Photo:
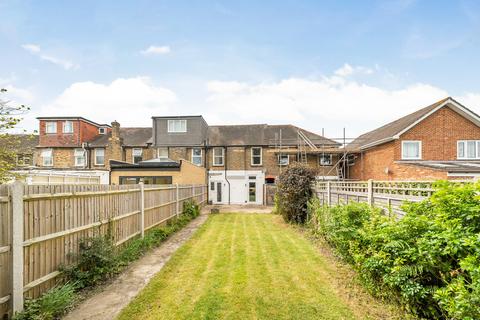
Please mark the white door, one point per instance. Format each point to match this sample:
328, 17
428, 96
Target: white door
216, 191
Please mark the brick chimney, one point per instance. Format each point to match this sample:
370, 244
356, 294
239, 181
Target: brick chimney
114, 148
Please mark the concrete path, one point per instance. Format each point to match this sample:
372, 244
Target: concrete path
115, 296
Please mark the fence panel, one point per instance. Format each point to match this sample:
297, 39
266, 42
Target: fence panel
57, 217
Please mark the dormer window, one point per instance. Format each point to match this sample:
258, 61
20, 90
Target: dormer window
68, 127
102, 130
51, 127
175, 126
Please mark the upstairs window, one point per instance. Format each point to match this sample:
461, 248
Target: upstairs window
24, 160
256, 156
47, 157
79, 155
51, 127
162, 153
218, 156
283, 159
325, 159
137, 155
68, 127
99, 157
177, 125
197, 156
102, 130
468, 149
411, 150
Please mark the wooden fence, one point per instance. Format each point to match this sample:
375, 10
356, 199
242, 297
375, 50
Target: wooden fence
41, 225
389, 195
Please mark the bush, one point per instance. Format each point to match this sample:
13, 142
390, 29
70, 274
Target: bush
294, 191
50, 305
191, 209
429, 261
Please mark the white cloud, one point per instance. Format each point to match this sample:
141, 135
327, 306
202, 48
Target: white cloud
156, 50
347, 70
131, 101
36, 50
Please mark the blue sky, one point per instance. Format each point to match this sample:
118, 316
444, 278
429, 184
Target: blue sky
317, 64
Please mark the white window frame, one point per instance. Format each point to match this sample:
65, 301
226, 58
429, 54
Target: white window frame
53, 129
279, 158
76, 157
44, 152
102, 130
172, 126
419, 150
135, 150
465, 150
197, 156
65, 126
96, 157
215, 156
252, 156
158, 153
325, 164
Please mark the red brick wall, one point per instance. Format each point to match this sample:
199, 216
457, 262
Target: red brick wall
82, 132
439, 134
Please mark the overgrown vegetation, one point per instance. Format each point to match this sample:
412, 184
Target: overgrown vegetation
429, 260
98, 260
294, 191
9, 119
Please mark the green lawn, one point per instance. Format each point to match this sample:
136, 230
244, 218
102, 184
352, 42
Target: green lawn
243, 266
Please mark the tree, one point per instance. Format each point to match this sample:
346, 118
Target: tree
9, 119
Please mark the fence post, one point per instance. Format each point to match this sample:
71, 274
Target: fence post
370, 192
142, 209
177, 210
329, 193
17, 246
193, 192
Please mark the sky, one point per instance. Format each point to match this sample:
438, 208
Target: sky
320, 65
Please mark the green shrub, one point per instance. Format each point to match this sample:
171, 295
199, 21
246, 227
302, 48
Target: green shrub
429, 260
50, 305
191, 209
294, 191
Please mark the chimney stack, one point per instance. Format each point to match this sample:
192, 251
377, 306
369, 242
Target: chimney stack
114, 148
115, 130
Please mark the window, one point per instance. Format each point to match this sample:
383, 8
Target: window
79, 155
102, 130
162, 153
51, 127
468, 149
99, 157
218, 155
325, 159
177, 125
197, 156
137, 155
283, 160
146, 180
68, 127
411, 150
47, 157
256, 156
24, 160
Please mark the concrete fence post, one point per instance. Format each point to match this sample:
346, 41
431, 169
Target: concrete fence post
177, 197
370, 192
17, 246
329, 193
142, 209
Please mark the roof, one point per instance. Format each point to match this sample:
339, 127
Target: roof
449, 166
74, 118
164, 164
394, 129
260, 134
22, 143
132, 137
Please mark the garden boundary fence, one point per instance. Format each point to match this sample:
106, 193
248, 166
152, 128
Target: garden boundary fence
388, 195
42, 226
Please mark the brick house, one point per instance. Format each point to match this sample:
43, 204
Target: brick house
240, 159
441, 141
